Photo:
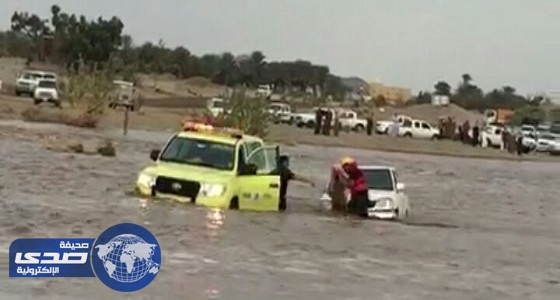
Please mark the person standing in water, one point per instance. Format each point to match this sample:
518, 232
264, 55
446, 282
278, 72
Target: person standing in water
356, 182
286, 175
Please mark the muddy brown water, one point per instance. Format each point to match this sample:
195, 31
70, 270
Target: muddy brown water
479, 229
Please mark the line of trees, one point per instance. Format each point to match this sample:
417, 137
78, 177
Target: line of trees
469, 96
72, 40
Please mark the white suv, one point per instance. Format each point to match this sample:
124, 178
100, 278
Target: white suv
28, 81
46, 91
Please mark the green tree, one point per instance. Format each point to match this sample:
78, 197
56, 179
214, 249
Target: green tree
31, 26
258, 61
442, 88
505, 97
466, 79
468, 95
423, 98
73, 35
99, 43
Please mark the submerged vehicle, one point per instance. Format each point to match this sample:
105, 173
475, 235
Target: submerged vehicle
214, 167
385, 193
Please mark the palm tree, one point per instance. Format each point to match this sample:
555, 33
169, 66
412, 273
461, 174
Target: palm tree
466, 79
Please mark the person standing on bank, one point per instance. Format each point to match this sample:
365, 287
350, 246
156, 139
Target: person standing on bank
475, 135
369, 127
286, 175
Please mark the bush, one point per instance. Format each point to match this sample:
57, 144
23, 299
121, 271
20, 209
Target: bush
35, 114
45, 115
246, 113
89, 93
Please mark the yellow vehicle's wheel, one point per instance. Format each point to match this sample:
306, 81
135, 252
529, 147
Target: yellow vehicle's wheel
234, 203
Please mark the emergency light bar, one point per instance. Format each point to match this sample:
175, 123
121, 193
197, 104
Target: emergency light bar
205, 128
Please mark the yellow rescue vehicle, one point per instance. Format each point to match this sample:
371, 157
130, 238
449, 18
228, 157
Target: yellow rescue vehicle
214, 167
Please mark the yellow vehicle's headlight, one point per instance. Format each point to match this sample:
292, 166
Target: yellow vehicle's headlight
212, 189
146, 180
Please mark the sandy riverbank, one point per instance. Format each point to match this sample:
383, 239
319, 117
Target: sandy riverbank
168, 119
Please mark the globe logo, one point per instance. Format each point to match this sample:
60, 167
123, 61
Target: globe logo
126, 257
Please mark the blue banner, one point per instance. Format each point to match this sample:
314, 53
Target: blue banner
51, 257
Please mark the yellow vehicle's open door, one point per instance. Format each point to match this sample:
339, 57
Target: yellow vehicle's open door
261, 191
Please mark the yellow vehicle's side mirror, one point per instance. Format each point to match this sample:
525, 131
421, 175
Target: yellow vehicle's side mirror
154, 154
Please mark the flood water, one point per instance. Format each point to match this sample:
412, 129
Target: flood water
479, 229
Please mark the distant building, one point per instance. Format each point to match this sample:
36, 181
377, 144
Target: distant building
392, 94
440, 100
554, 97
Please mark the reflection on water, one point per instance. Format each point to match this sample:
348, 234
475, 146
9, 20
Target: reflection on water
143, 209
215, 219
212, 293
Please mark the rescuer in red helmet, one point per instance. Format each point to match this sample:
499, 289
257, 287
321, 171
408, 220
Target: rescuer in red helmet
356, 183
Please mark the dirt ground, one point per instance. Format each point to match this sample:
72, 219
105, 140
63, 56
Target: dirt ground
479, 229
168, 119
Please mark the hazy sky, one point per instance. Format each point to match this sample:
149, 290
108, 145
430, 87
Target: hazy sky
411, 43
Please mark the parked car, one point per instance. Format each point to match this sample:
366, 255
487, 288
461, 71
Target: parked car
123, 95
385, 192
382, 127
554, 147
264, 91
216, 106
529, 140
349, 119
47, 91
304, 119
346, 117
491, 136
546, 141
555, 128
419, 129
528, 129
280, 112
29, 80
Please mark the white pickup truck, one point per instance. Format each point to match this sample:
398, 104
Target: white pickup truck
347, 118
419, 129
304, 119
382, 127
280, 112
